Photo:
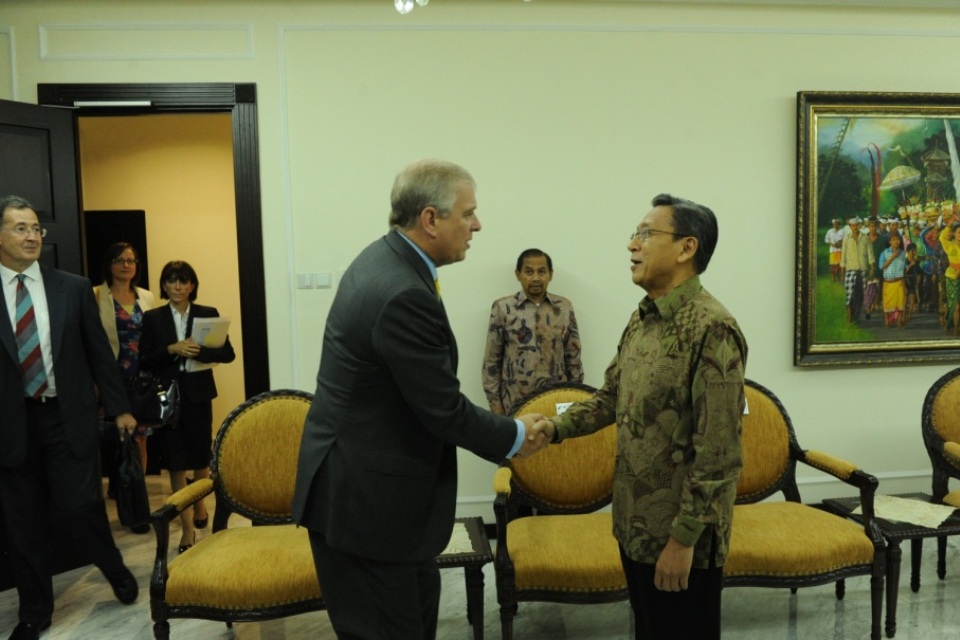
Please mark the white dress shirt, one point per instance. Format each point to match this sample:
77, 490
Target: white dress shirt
34, 284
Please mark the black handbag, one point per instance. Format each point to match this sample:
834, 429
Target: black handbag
133, 505
154, 402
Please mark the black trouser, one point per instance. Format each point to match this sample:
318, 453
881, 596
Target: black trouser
372, 600
693, 614
52, 479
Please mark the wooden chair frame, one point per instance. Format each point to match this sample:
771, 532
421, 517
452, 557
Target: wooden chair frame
520, 503
160, 610
786, 484
945, 465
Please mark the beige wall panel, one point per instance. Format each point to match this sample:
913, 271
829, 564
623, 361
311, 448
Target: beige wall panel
571, 115
7, 70
144, 41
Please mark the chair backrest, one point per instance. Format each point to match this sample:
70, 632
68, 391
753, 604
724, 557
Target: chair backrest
255, 455
765, 442
941, 408
574, 476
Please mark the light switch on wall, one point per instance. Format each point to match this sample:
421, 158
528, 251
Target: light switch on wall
304, 281
323, 280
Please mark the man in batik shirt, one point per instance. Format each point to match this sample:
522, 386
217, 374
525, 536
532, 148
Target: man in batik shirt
675, 392
532, 339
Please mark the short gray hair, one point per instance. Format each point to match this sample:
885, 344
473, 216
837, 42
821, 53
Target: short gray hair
13, 202
427, 183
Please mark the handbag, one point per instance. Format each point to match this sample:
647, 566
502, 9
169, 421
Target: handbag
154, 402
133, 505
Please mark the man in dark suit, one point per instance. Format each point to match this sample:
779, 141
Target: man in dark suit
55, 357
377, 474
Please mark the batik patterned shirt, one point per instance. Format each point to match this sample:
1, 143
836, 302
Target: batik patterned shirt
675, 392
528, 347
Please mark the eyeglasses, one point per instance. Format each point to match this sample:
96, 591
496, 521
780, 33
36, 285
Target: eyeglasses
126, 261
24, 230
645, 233
172, 280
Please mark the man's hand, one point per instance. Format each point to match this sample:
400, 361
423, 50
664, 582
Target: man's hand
126, 421
536, 439
673, 567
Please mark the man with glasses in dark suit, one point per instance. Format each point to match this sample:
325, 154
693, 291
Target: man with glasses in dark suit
54, 359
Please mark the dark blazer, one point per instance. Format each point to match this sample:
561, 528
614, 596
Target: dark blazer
159, 331
377, 472
82, 364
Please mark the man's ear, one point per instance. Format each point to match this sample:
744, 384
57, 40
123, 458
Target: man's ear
428, 220
690, 246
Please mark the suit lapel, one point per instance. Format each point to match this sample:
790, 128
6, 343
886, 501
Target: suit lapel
53, 288
7, 339
403, 249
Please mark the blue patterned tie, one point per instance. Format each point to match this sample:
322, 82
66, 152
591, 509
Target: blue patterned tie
28, 344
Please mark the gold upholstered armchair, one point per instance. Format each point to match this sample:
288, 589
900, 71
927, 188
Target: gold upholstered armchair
940, 422
246, 573
552, 546
786, 543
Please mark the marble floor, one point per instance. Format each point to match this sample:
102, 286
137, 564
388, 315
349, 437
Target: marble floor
86, 609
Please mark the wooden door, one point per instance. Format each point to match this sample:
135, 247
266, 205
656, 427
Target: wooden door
38, 162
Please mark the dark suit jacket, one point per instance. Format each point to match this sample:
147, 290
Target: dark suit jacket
81, 359
377, 472
160, 331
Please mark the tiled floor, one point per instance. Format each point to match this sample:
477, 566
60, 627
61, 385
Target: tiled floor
86, 609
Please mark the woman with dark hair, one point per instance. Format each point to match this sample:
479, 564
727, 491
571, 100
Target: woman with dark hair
169, 351
122, 305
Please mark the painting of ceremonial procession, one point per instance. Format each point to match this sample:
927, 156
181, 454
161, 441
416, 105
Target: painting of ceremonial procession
878, 228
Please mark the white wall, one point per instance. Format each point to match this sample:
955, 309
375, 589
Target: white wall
571, 115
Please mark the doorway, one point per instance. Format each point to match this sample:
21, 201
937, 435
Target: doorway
178, 169
240, 101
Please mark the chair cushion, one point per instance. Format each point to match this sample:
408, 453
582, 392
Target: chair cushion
224, 570
255, 455
945, 410
765, 445
791, 539
952, 499
565, 553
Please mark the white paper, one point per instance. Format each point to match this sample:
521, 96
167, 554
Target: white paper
459, 540
909, 510
562, 406
210, 332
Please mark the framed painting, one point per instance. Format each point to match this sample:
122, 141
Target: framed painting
878, 228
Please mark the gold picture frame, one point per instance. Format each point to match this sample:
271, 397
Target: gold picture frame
876, 158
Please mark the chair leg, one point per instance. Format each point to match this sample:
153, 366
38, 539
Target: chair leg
507, 613
942, 557
876, 605
841, 589
161, 630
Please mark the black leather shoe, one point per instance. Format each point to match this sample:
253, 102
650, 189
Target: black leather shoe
125, 586
29, 630
201, 523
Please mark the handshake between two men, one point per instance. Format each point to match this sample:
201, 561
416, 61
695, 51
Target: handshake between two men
540, 433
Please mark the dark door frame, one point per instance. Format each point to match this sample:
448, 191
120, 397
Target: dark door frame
240, 99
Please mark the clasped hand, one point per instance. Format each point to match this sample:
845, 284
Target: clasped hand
540, 432
185, 348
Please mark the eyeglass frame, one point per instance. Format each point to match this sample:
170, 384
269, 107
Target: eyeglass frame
125, 261
644, 234
23, 230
